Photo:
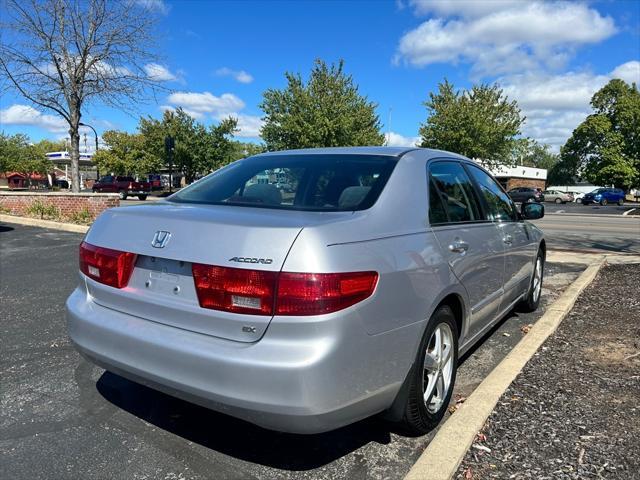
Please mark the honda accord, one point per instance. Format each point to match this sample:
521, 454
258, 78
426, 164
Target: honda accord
351, 292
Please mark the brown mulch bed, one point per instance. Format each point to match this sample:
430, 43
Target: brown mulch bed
574, 411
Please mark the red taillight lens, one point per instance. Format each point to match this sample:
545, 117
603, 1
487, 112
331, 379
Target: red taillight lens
259, 292
235, 289
318, 293
105, 265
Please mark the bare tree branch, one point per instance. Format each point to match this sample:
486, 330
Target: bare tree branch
65, 55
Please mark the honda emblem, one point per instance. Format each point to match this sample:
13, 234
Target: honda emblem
160, 239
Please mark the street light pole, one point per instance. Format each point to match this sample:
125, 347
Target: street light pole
96, 134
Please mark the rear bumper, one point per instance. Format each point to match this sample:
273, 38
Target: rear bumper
286, 381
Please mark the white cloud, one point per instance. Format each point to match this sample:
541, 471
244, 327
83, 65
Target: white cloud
556, 104
26, 115
502, 37
393, 139
239, 75
159, 72
248, 125
629, 72
206, 105
463, 8
159, 6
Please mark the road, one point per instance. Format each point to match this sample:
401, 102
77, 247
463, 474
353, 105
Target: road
592, 232
591, 209
64, 418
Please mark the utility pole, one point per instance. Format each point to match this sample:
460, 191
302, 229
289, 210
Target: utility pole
85, 146
169, 147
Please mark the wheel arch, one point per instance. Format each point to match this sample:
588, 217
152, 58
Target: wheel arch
455, 302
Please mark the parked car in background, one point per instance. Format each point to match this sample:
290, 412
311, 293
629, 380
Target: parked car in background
604, 196
557, 196
267, 307
123, 186
155, 181
577, 196
526, 195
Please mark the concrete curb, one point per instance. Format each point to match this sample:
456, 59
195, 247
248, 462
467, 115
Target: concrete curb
34, 222
447, 449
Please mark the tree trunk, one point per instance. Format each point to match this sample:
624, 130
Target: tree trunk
75, 158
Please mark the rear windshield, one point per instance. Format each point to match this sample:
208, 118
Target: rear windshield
295, 182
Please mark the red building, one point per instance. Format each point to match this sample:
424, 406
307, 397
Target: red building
19, 181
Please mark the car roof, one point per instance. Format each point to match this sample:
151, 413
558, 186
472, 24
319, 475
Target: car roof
374, 150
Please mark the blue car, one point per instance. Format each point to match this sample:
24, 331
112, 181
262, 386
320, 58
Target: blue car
604, 196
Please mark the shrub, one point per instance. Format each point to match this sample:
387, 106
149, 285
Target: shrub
83, 217
43, 211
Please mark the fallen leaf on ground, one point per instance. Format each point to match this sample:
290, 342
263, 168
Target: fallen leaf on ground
482, 448
482, 437
525, 328
505, 334
468, 474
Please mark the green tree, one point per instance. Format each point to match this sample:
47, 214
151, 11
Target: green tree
480, 123
126, 155
18, 154
605, 147
198, 149
530, 153
245, 149
327, 111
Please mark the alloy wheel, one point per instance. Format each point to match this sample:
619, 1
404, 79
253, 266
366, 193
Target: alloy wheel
438, 367
537, 280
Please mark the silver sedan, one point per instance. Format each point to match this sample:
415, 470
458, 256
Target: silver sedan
305, 290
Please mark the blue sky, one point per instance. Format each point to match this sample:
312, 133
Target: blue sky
219, 57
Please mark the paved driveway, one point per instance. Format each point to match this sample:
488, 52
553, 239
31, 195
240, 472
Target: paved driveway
64, 418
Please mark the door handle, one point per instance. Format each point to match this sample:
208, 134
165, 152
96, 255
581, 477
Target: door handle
459, 246
508, 239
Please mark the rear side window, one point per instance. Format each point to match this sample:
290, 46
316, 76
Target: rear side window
295, 182
499, 205
455, 192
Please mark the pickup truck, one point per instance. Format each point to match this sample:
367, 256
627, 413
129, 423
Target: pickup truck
123, 186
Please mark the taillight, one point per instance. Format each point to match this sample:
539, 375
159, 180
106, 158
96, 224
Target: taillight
318, 293
105, 265
235, 289
260, 292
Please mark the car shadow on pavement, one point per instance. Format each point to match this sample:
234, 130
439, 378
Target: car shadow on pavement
238, 438
5, 228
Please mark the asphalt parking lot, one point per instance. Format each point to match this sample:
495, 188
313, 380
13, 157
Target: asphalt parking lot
64, 418
591, 209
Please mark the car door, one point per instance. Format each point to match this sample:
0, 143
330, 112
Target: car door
515, 233
472, 245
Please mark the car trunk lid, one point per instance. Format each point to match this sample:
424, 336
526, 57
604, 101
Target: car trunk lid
161, 287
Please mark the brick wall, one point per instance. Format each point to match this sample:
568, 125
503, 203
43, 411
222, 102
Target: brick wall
78, 207
524, 182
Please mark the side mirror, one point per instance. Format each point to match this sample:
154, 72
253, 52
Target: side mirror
532, 211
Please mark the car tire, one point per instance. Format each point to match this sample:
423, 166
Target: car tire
122, 194
420, 415
604, 202
531, 302
621, 202
558, 201
142, 197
